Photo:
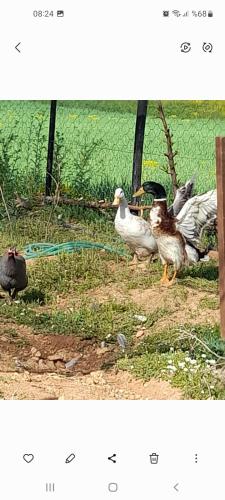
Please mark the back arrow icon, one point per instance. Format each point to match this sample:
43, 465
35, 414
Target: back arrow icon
176, 487
16, 47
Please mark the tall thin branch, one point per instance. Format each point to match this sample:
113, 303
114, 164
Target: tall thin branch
170, 154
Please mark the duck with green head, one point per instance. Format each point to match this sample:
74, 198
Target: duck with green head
178, 238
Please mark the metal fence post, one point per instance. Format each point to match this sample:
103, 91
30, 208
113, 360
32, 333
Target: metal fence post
138, 146
51, 140
220, 171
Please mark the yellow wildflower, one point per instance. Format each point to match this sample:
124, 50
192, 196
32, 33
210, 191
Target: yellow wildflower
150, 163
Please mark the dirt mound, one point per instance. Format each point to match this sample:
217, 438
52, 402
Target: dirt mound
22, 350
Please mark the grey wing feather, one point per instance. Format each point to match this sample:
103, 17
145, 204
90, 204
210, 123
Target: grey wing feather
195, 214
182, 195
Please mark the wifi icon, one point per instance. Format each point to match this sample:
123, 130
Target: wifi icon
176, 13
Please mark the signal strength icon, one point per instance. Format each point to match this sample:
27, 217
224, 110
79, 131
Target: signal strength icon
186, 14
176, 13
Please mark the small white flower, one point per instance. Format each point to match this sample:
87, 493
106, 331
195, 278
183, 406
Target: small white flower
211, 362
212, 387
203, 392
172, 368
187, 360
185, 369
181, 365
203, 356
170, 361
193, 361
171, 349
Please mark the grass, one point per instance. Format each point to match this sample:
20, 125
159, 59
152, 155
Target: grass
188, 365
99, 321
97, 137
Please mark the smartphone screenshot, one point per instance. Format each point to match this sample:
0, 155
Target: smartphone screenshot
112, 250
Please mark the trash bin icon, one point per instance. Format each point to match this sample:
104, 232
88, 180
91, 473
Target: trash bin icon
154, 458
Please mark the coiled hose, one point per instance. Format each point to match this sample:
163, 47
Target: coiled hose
36, 250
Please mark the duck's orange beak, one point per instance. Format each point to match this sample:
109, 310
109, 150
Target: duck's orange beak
116, 201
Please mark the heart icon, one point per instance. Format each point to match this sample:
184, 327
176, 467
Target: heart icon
28, 457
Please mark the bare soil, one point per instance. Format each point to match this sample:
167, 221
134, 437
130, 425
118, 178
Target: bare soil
34, 367
97, 385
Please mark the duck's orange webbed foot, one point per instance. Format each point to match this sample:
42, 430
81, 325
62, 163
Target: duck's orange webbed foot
165, 279
173, 279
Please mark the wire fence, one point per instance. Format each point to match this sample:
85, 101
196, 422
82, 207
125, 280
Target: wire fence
94, 144
194, 127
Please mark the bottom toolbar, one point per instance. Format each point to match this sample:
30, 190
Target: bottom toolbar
112, 449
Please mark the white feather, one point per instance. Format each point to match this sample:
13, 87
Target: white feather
195, 214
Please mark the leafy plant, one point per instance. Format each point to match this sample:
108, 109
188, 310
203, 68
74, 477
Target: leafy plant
82, 175
36, 151
10, 151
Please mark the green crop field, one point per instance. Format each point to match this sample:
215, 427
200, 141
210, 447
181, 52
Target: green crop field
94, 144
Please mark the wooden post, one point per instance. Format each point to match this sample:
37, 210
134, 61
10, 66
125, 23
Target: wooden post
138, 146
51, 140
220, 172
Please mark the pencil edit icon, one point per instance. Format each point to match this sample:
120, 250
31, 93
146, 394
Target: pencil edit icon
70, 458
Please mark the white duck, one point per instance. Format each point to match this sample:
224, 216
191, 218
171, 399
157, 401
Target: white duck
135, 231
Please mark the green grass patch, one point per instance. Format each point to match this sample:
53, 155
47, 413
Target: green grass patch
100, 321
189, 362
94, 143
209, 303
197, 381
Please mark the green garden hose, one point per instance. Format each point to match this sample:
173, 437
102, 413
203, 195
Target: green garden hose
35, 250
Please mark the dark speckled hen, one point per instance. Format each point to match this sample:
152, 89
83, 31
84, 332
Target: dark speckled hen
13, 276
